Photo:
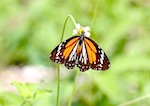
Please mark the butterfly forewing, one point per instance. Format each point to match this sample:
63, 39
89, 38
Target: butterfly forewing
61, 53
101, 61
71, 60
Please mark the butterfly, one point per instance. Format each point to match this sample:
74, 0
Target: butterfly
80, 51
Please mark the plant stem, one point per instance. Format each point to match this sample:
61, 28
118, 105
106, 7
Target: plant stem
74, 22
58, 85
135, 100
95, 13
58, 69
74, 87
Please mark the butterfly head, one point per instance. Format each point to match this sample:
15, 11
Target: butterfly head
81, 30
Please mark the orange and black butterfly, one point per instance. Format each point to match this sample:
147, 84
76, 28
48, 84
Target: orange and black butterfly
80, 51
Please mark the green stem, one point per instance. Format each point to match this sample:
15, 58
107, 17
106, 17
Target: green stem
74, 22
74, 87
58, 83
94, 13
135, 100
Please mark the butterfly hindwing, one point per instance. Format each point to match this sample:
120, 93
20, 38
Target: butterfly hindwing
82, 60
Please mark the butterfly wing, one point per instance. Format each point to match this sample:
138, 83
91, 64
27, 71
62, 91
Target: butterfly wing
97, 57
86, 55
71, 60
82, 60
61, 54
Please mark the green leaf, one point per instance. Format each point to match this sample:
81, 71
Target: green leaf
26, 90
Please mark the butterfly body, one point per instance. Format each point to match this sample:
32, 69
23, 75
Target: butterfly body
82, 52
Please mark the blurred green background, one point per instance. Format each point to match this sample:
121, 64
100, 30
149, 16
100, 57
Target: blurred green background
31, 29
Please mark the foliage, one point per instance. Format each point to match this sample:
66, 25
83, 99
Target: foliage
30, 29
29, 94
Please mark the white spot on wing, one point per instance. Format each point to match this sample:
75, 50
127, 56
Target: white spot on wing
58, 51
73, 53
102, 57
84, 52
